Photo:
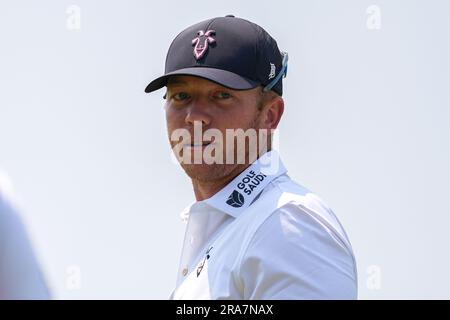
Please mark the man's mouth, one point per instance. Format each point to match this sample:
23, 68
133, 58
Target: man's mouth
198, 145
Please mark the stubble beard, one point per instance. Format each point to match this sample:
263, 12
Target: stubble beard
206, 173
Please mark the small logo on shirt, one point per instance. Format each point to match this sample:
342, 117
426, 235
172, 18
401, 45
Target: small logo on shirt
236, 199
272, 71
202, 264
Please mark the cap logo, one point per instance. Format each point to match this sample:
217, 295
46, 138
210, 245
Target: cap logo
201, 42
272, 71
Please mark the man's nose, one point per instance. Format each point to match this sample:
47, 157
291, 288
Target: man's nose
198, 111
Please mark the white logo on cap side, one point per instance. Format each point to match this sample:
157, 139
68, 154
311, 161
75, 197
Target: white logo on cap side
272, 71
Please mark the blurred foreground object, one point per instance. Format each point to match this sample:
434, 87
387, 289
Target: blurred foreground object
20, 275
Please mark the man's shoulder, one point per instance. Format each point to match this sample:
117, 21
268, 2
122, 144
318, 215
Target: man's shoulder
303, 229
297, 208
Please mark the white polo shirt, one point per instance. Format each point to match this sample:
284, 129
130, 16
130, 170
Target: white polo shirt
263, 236
20, 275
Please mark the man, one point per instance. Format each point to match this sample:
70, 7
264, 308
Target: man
20, 275
252, 233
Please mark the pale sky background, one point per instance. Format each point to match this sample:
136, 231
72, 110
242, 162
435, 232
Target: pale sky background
366, 127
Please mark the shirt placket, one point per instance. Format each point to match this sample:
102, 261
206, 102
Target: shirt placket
193, 241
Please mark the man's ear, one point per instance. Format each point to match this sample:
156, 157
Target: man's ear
273, 112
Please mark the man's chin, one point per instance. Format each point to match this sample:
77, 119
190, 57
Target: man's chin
205, 172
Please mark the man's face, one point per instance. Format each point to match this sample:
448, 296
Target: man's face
192, 100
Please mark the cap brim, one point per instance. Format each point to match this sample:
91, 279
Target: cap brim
225, 78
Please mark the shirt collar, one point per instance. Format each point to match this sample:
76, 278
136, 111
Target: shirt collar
240, 193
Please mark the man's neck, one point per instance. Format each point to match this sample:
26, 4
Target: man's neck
206, 189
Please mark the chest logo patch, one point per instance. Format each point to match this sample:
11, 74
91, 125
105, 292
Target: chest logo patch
202, 264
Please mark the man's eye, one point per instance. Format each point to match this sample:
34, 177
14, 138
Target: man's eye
223, 95
180, 96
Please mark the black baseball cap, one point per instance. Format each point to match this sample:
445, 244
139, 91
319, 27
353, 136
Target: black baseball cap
230, 51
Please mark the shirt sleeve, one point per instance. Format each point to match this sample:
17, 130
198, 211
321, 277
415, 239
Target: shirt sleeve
293, 255
20, 276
